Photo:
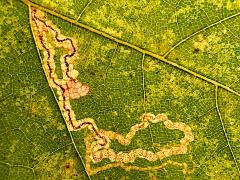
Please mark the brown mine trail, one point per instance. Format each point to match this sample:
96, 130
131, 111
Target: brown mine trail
69, 88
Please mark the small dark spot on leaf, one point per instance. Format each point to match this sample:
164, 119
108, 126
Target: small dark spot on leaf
67, 165
92, 73
196, 50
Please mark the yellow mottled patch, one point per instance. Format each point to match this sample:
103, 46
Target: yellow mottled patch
150, 65
218, 3
68, 169
172, 82
66, 6
134, 6
113, 32
108, 47
152, 6
120, 22
221, 168
124, 50
129, 75
11, 26
229, 105
120, 25
180, 12
169, 36
203, 43
138, 33
57, 166
96, 52
42, 108
229, 4
180, 86
215, 46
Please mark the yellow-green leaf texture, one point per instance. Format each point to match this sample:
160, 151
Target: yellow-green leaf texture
176, 58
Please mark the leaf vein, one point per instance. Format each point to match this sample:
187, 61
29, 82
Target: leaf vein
224, 129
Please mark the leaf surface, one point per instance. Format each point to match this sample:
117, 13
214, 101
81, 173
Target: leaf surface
119, 90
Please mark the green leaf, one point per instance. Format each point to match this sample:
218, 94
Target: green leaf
119, 89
